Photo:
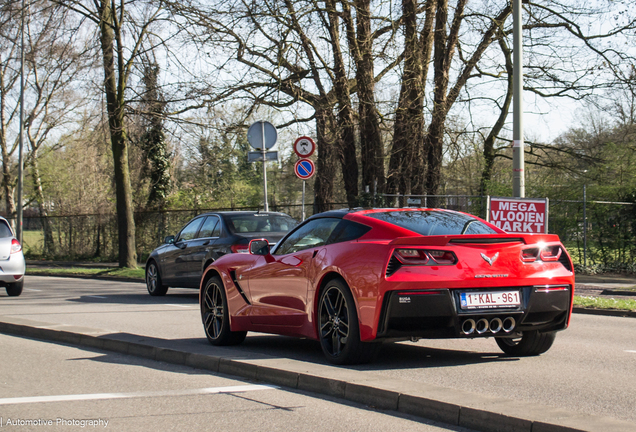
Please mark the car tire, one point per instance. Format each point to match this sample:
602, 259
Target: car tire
531, 343
153, 280
15, 289
215, 315
339, 329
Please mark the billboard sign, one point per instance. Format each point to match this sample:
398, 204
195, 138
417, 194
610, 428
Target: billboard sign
519, 215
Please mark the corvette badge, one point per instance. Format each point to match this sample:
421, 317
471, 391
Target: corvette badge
492, 260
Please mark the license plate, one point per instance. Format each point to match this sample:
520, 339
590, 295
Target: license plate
489, 300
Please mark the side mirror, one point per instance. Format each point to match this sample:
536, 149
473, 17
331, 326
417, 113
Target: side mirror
169, 239
259, 247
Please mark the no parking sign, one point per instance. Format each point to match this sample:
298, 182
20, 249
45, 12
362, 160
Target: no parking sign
304, 169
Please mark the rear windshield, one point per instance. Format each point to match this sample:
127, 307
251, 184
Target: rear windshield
5, 231
434, 222
258, 223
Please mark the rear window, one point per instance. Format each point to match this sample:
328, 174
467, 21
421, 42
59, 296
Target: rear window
259, 223
434, 222
5, 231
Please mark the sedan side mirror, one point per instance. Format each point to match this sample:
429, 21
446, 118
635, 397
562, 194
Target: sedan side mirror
259, 247
169, 239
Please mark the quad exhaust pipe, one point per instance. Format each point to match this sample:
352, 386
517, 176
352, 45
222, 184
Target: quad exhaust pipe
482, 325
495, 325
508, 324
468, 326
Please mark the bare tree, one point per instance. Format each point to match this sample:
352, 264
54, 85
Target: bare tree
122, 33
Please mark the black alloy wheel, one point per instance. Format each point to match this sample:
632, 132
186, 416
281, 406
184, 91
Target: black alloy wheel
215, 316
531, 343
338, 327
153, 280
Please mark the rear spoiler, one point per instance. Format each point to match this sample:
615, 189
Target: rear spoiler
475, 239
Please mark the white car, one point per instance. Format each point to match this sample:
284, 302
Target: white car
12, 265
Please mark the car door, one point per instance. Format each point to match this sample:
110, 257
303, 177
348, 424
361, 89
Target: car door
278, 283
176, 261
199, 248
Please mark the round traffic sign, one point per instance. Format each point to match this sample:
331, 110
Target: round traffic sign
304, 147
259, 131
304, 169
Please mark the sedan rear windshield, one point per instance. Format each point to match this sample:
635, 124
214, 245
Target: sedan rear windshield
434, 222
258, 223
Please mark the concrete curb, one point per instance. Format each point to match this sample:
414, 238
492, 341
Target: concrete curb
106, 278
453, 407
605, 312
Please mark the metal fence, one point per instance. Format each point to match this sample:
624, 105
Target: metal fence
608, 238
95, 236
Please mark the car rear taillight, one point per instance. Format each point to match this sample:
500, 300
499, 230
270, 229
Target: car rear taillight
545, 253
15, 246
443, 257
412, 256
529, 255
425, 257
240, 248
550, 253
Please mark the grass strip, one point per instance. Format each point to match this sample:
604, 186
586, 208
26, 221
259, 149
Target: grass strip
87, 271
604, 303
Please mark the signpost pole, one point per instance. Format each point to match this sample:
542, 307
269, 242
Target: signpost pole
518, 175
303, 213
19, 214
585, 225
264, 150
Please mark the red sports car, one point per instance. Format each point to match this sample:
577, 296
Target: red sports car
354, 278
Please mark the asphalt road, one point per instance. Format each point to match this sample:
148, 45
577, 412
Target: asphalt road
590, 369
66, 386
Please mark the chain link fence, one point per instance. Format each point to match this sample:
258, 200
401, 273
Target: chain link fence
607, 240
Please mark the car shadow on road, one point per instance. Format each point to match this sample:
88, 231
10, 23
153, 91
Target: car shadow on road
184, 297
391, 356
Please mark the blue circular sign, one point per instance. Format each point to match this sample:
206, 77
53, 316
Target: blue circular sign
304, 169
259, 131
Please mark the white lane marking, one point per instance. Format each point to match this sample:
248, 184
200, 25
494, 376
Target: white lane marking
176, 305
631, 351
31, 289
102, 396
96, 296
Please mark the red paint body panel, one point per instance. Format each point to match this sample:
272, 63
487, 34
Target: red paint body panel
282, 290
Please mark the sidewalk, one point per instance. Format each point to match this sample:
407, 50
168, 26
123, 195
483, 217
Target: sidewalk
606, 285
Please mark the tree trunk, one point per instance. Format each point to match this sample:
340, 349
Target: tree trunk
372, 151
407, 164
345, 128
115, 107
7, 177
326, 164
489, 143
49, 244
7, 187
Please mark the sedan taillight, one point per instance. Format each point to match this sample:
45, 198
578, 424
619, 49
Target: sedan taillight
15, 246
240, 248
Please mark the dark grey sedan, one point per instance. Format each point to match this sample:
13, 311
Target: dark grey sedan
181, 260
